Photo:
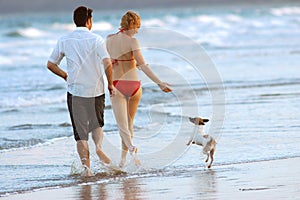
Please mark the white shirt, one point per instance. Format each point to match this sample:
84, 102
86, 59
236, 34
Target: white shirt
84, 52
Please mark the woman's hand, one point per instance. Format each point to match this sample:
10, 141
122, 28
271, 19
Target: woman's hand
164, 87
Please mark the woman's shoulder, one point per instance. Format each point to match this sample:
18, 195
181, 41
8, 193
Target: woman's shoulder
110, 35
135, 44
133, 39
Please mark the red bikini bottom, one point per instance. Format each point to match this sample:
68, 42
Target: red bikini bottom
126, 87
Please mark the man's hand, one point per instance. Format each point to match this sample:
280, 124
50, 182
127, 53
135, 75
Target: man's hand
112, 90
54, 68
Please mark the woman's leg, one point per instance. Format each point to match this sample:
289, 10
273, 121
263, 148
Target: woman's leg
133, 104
123, 154
119, 105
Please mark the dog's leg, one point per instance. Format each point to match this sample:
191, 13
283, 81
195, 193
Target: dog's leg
207, 157
206, 150
211, 153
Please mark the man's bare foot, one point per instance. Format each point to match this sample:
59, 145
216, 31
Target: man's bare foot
86, 171
103, 157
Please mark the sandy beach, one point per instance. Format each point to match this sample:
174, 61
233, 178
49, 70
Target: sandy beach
277, 179
255, 51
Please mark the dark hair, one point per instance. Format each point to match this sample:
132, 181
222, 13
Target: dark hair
81, 15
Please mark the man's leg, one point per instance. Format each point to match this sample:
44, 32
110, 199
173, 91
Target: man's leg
83, 152
97, 135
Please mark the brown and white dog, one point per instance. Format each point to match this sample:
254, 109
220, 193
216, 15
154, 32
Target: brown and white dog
203, 139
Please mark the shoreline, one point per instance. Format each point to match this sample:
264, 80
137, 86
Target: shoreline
273, 179
15, 6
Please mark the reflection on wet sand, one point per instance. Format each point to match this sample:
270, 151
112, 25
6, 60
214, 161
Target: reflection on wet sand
197, 183
205, 182
126, 189
102, 192
131, 189
86, 192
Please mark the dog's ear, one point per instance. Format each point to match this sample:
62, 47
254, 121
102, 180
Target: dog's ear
198, 120
202, 121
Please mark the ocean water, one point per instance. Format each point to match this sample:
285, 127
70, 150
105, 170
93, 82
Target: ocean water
237, 66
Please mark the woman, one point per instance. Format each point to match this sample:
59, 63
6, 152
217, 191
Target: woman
126, 57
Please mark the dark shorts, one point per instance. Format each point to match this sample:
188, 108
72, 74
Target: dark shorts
86, 114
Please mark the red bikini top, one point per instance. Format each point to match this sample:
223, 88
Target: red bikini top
116, 61
121, 30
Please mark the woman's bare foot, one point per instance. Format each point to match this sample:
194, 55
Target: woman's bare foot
123, 158
122, 162
137, 161
133, 151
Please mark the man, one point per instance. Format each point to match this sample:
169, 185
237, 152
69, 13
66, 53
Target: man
84, 52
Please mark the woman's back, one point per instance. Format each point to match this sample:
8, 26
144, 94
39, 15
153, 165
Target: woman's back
119, 46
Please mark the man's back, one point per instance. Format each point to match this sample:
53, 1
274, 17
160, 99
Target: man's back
83, 51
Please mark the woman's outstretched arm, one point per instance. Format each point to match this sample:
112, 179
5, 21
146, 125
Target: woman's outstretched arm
140, 62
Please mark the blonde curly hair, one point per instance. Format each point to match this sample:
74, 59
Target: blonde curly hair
129, 17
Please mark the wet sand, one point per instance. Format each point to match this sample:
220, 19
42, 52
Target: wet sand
277, 179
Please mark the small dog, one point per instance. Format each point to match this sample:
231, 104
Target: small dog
206, 141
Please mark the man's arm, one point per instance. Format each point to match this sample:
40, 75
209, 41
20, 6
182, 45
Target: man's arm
57, 70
